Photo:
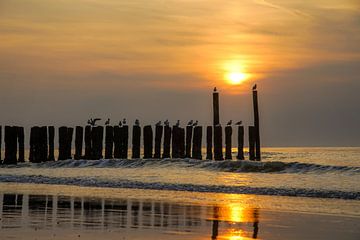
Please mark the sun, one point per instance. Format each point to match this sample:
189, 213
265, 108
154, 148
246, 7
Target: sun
236, 78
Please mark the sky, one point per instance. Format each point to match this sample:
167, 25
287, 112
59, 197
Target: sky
64, 61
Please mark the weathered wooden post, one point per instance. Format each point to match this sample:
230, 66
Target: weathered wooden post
43, 144
109, 142
117, 142
87, 141
21, 136
79, 134
37, 144
256, 125
216, 112
148, 142
197, 139
209, 143
218, 147
97, 137
124, 141
10, 145
63, 136
0, 141
228, 134
240, 155
181, 142
136, 141
32, 144
167, 142
158, 137
175, 142
252, 139
51, 135
70, 132
188, 140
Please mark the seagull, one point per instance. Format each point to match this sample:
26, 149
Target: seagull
137, 122
229, 123
195, 123
107, 121
158, 123
120, 123
95, 120
190, 123
89, 121
166, 122
254, 87
177, 123
238, 123
124, 121
215, 89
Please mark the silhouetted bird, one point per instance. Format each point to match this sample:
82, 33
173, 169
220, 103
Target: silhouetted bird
229, 123
196, 123
95, 120
137, 122
238, 123
166, 122
158, 123
89, 121
215, 89
120, 124
190, 123
107, 122
124, 121
177, 123
254, 87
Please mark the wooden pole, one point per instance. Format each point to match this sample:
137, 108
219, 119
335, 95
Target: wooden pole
228, 134
188, 140
21, 136
218, 147
109, 142
70, 132
37, 144
167, 142
209, 143
256, 125
181, 142
136, 142
10, 145
87, 141
252, 139
124, 141
51, 135
79, 134
240, 155
197, 139
43, 154
216, 117
175, 142
117, 142
63, 135
97, 135
148, 142
0, 142
32, 145
158, 137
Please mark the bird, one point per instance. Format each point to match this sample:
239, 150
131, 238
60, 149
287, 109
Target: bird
166, 122
195, 123
137, 122
120, 124
215, 89
229, 123
190, 123
238, 123
89, 121
177, 123
95, 120
124, 121
158, 123
107, 122
254, 87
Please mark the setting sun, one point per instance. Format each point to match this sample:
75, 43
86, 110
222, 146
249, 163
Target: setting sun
236, 78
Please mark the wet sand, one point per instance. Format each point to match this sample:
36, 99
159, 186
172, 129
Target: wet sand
46, 212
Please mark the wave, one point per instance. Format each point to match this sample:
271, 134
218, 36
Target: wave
95, 182
225, 166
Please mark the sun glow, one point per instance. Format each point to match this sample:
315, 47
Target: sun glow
235, 72
236, 78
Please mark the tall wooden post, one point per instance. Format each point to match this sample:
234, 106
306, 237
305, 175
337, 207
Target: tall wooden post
228, 134
240, 155
10, 145
79, 134
21, 136
51, 135
218, 145
181, 142
167, 142
109, 142
136, 142
70, 132
188, 140
33, 144
117, 142
216, 112
197, 139
0, 141
148, 142
256, 125
63, 136
175, 142
209, 143
97, 137
124, 141
252, 139
158, 137
88, 143
43, 155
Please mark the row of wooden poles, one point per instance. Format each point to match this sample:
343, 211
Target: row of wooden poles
165, 142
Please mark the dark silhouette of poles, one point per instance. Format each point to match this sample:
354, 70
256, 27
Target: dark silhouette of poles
240, 155
256, 125
252, 139
21, 136
136, 142
167, 142
218, 147
181, 142
0, 141
87, 141
63, 137
43, 141
124, 130
216, 113
189, 134
117, 142
197, 139
10, 145
209, 143
79, 134
109, 142
33, 144
51, 135
148, 142
175, 142
97, 137
228, 134
158, 137
70, 132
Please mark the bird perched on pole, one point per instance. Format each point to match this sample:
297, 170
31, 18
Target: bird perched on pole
166, 122
95, 120
195, 123
254, 87
120, 124
215, 90
137, 122
107, 122
190, 123
158, 123
89, 121
229, 123
124, 121
238, 123
177, 123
